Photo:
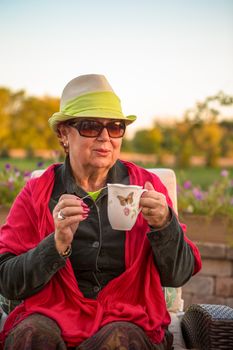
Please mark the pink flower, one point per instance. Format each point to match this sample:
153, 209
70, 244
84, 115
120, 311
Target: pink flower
126, 211
224, 173
197, 194
187, 184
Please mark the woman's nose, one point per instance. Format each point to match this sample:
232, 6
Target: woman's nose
104, 136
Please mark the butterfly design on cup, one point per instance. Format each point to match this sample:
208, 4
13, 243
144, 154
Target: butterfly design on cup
125, 202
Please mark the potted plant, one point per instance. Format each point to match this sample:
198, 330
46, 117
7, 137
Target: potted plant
208, 213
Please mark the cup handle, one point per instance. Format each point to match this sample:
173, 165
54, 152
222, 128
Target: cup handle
143, 190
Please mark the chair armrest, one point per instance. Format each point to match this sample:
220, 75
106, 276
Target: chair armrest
207, 326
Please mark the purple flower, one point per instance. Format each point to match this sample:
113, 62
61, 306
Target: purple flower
17, 172
27, 174
231, 201
40, 164
224, 173
187, 185
197, 194
7, 166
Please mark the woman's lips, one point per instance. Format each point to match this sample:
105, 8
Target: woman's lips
101, 151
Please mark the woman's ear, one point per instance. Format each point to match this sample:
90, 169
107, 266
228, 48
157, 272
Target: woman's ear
62, 134
62, 130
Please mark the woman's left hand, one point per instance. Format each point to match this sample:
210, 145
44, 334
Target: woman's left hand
154, 207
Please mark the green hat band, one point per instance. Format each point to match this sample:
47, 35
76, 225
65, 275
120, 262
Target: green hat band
100, 104
94, 104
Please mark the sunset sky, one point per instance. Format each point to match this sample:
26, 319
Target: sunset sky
159, 56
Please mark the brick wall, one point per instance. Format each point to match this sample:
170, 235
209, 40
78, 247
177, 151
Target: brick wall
214, 283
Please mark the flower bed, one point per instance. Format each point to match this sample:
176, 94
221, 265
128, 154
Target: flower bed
11, 182
208, 213
216, 200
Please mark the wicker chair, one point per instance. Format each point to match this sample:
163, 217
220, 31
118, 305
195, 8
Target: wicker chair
201, 326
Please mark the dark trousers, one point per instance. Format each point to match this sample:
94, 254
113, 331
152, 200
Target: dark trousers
38, 332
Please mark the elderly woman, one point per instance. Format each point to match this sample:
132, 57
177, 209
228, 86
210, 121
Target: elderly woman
84, 285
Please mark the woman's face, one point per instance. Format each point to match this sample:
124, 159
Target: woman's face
91, 152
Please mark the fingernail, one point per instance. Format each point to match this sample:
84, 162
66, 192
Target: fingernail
84, 204
85, 216
86, 210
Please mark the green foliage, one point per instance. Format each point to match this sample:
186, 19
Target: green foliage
11, 182
216, 199
24, 121
24, 124
198, 133
126, 145
147, 141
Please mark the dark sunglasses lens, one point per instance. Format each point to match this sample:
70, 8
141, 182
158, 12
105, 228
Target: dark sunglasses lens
89, 128
116, 129
92, 128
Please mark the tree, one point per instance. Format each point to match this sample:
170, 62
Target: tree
183, 142
208, 137
24, 121
227, 139
147, 141
207, 134
9, 103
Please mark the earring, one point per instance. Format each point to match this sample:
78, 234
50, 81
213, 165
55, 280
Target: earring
66, 148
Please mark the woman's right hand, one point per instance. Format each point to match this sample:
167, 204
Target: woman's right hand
74, 210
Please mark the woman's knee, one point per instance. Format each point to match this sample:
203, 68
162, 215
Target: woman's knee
36, 332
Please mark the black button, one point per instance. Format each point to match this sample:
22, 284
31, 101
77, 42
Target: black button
55, 266
96, 244
96, 289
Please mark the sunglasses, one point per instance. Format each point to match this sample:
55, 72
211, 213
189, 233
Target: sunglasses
93, 128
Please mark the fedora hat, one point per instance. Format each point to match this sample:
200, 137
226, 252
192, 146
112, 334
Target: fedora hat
89, 96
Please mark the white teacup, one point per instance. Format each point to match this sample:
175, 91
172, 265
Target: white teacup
123, 205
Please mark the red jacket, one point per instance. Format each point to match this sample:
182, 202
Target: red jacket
135, 296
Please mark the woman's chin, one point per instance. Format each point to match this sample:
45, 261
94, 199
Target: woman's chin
102, 162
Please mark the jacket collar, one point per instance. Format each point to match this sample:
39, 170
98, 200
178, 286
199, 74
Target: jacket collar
65, 182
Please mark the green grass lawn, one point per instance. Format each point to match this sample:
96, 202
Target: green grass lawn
25, 164
201, 176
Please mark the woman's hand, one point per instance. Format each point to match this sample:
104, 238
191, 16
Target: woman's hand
154, 207
67, 214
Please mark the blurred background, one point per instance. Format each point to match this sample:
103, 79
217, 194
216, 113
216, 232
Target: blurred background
171, 64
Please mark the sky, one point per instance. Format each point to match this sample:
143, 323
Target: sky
160, 57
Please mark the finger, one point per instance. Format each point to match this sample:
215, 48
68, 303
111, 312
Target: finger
70, 220
148, 211
151, 202
153, 194
70, 202
65, 199
69, 196
148, 186
72, 211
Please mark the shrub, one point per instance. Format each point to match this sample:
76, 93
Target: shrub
11, 182
217, 199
